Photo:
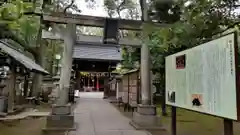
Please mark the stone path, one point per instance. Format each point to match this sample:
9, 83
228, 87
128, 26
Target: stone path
95, 116
91, 95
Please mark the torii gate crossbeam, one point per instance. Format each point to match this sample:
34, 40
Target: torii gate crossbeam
94, 21
81, 38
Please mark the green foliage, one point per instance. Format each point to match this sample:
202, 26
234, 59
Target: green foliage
11, 11
18, 27
127, 63
164, 11
53, 47
195, 22
116, 7
199, 22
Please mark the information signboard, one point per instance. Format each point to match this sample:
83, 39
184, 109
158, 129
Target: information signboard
203, 78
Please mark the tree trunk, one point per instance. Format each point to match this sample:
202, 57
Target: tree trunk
37, 78
78, 80
164, 110
40, 59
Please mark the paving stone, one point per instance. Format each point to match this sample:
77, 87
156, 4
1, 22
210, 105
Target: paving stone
96, 116
109, 133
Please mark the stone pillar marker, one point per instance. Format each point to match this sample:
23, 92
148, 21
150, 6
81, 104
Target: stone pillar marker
145, 116
61, 117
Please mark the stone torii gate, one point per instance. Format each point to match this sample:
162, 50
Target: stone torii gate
146, 112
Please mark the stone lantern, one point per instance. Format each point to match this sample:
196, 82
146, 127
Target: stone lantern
4, 71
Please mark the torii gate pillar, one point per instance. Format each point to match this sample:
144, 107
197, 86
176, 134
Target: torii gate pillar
145, 116
62, 118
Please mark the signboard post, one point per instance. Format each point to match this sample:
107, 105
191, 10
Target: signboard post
228, 127
174, 120
205, 79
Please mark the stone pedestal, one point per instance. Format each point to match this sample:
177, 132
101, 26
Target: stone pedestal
61, 119
145, 118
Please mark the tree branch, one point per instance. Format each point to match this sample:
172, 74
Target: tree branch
119, 8
229, 27
69, 6
32, 13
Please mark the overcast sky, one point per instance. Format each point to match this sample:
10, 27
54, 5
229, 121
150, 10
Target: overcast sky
98, 9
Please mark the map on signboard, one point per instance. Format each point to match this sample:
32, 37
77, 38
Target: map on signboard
203, 78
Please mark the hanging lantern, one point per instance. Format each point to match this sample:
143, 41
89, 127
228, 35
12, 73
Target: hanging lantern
17, 69
8, 61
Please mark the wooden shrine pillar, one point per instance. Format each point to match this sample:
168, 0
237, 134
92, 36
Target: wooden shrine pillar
106, 87
88, 82
11, 89
78, 80
97, 83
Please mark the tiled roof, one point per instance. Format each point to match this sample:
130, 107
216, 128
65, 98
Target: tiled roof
96, 52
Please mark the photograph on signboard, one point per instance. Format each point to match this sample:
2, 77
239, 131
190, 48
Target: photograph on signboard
171, 96
197, 100
181, 61
204, 78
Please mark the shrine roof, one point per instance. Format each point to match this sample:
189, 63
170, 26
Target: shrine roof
97, 52
21, 58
